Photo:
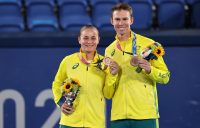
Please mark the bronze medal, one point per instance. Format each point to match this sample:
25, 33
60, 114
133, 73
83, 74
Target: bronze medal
107, 61
134, 61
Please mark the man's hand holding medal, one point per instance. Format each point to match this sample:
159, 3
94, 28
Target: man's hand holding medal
141, 64
113, 66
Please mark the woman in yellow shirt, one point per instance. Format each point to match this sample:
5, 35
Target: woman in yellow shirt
86, 66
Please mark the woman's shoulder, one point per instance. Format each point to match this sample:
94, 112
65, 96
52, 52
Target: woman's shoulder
71, 56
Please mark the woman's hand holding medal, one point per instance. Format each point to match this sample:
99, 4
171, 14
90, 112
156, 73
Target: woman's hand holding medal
114, 67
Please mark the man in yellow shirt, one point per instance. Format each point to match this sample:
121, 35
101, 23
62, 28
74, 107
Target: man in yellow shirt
134, 101
86, 67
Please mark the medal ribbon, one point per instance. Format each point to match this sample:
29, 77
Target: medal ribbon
133, 46
95, 62
83, 59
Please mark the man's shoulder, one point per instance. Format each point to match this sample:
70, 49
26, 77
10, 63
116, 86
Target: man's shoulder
111, 45
144, 40
141, 37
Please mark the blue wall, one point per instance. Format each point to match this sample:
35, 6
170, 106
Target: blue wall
26, 75
180, 100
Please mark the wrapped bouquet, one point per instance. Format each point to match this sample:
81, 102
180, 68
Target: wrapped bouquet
70, 90
151, 53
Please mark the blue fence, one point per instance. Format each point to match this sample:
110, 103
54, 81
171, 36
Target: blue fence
26, 75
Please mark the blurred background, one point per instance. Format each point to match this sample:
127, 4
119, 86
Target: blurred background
35, 35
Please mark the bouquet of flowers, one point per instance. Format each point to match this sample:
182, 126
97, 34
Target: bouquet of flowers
70, 90
151, 53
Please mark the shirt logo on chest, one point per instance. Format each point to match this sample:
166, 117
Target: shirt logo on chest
113, 52
75, 65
